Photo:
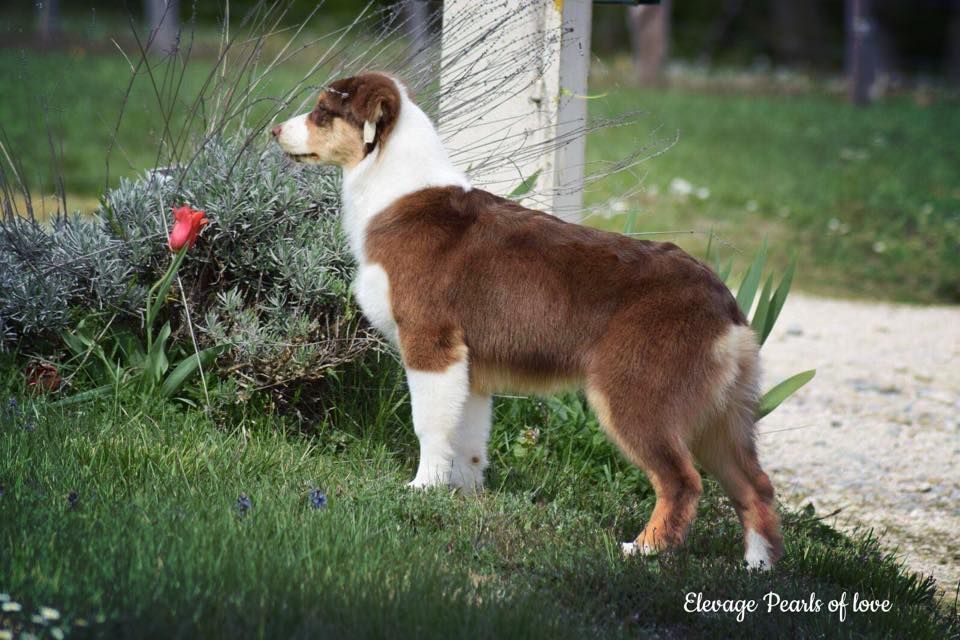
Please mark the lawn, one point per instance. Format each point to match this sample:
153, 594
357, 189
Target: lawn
126, 518
135, 517
868, 198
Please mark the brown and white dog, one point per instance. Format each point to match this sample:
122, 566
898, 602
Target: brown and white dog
483, 295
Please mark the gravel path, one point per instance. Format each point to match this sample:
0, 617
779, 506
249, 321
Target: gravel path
877, 432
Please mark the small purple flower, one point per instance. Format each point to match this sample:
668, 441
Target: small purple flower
73, 499
318, 499
244, 504
29, 425
10, 409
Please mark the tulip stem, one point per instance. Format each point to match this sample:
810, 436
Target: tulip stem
159, 291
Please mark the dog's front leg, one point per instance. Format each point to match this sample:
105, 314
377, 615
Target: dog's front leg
470, 444
437, 397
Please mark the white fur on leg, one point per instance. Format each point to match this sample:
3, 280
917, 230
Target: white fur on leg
758, 552
630, 548
470, 444
437, 400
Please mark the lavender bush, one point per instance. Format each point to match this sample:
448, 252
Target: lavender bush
269, 277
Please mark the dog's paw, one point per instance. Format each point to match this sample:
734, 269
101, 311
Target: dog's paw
758, 556
420, 485
632, 548
467, 477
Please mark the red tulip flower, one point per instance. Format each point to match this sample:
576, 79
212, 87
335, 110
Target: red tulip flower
186, 227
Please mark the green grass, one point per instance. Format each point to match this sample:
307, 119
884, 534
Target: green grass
154, 545
870, 198
78, 96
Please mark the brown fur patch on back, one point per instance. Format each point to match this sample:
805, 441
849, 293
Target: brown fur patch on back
536, 296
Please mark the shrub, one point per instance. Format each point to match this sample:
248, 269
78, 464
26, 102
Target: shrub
269, 277
49, 270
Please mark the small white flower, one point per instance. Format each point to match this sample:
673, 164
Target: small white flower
4, 597
853, 155
681, 187
879, 246
702, 193
833, 224
752, 205
57, 633
49, 613
619, 205
11, 606
37, 619
6, 635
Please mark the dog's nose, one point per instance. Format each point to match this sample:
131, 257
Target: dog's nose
276, 130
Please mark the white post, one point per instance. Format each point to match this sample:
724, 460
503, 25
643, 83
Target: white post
536, 55
572, 115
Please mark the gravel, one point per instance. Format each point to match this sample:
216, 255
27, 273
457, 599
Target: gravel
876, 433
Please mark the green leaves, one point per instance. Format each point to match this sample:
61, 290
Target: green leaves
776, 303
129, 364
187, 367
156, 363
775, 396
759, 321
114, 359
770, 302
525, 187
765, 313
748, 287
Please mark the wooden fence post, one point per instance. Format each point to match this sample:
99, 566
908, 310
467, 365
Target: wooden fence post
551, 106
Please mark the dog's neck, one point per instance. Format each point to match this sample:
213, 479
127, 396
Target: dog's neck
413, 158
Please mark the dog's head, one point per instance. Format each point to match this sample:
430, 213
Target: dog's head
352, 117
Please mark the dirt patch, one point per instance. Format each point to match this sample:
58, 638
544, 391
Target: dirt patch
877, 432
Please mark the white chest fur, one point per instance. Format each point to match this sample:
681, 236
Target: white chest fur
413, 159
372, 290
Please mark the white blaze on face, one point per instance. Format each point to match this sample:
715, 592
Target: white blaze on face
294, 136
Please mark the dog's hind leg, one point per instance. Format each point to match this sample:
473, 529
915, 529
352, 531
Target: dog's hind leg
727, 450
648, 438
735, 466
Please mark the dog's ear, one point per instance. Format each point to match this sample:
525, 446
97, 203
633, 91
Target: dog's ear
377, 107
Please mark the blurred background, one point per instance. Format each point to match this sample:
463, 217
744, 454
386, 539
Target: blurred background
828, 126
